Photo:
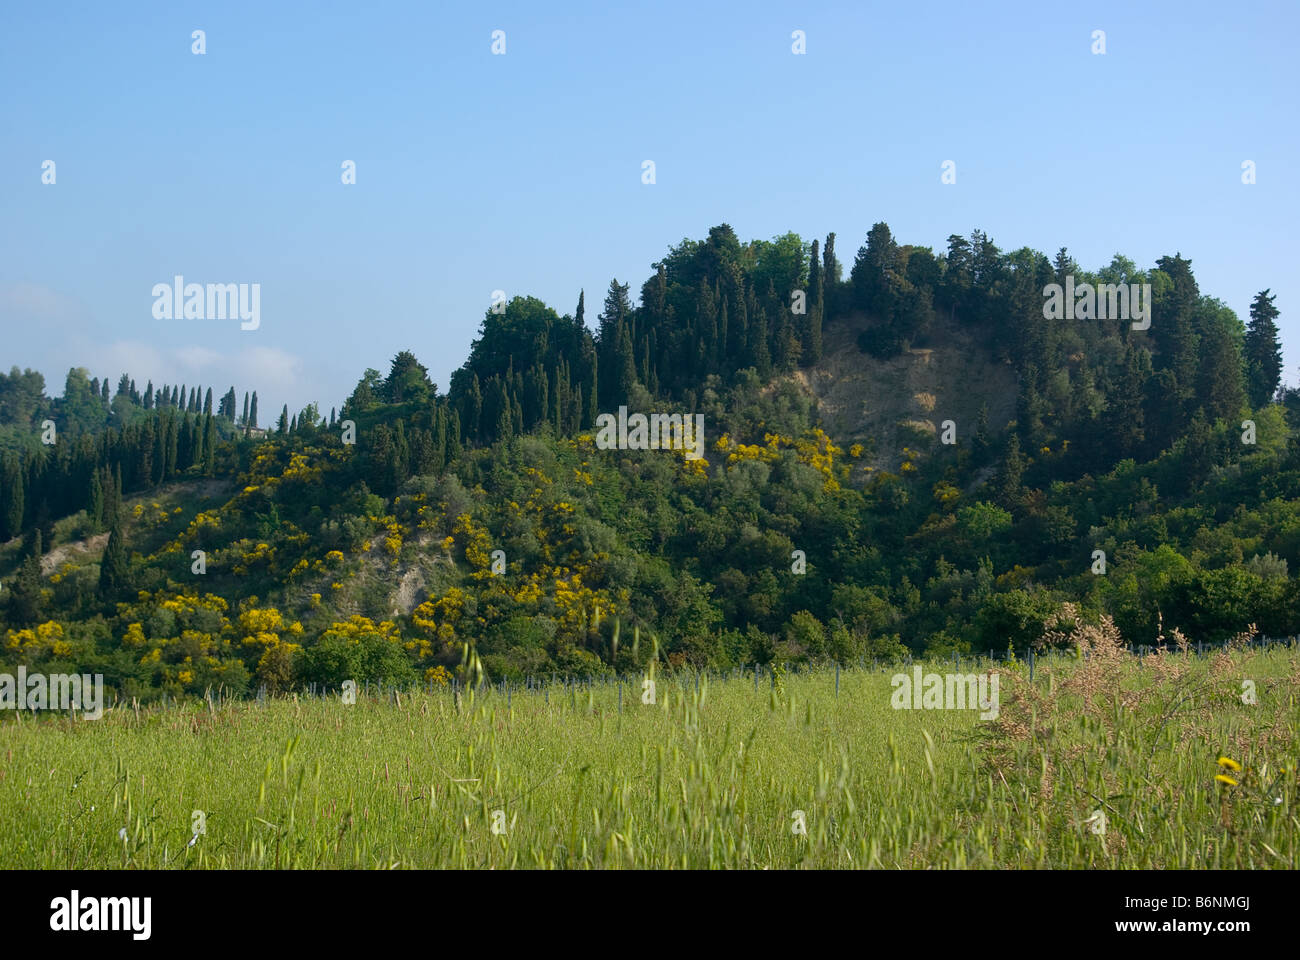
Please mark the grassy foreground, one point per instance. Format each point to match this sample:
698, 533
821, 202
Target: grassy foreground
1104, 762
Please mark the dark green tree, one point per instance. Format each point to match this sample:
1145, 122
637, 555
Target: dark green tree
408, 381
114, 572
1263, 350
95, 510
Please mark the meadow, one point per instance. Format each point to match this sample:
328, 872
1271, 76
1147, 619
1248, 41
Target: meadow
1104, 760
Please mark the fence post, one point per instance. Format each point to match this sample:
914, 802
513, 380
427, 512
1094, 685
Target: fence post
837, 678
1031, 664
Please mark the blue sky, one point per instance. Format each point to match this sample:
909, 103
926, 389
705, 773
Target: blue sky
522, 172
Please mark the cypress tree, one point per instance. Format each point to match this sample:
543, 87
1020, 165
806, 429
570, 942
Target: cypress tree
830, 279
453, 442
111, 516
1220, 388
144, 457
96, 508
283, 425
439, 438
173, 436
24, 607
209, 446
812, 327
114, 573
1263, 350
252, 412
1013, 467
474, 419
15, 507
207, 402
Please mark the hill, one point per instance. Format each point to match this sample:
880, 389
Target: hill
1145, 474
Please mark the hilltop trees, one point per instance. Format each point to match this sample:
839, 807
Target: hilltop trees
408, 381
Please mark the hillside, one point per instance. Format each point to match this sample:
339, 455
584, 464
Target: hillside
417, 534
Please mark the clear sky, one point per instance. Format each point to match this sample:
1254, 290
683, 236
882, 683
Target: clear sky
522, 172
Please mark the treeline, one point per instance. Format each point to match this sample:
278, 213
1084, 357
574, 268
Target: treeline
128, 442
1097, 388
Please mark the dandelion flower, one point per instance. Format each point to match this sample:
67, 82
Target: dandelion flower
1226, 779
1230, 764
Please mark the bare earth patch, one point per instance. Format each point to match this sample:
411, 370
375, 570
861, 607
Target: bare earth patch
861, 398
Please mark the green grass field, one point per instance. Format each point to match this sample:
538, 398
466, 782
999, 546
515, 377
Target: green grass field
694, 781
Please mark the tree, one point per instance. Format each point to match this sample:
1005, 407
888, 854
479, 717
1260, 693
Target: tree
112, 494
614, 343
24, 608
408, 380
209, 446
13, 493
114, 573
812, 327
1219, 388
1008, 486
365, 395
252, 413
1173, 324
871, 276
1263, 350
283, 426
95, 510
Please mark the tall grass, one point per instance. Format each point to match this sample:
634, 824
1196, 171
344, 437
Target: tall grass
697, 780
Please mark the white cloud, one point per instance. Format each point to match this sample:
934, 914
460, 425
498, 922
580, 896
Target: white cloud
30, 303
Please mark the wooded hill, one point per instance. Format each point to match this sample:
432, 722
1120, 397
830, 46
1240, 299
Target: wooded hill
324, 560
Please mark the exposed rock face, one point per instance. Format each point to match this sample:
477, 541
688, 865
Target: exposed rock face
884, 404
